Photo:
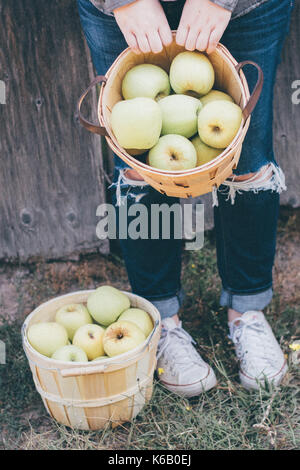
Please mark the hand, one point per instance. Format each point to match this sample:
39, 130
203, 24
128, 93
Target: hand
202, 25
144, 26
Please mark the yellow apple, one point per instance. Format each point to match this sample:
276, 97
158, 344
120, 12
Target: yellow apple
121, 337
179, 115
135, 152
192, 72
106, 304
100, 358
218, 123
172, 152
145, 80
47, 337
136, 123
204, 153
90, 339
70, 353
140, 318
73, 316
215, 95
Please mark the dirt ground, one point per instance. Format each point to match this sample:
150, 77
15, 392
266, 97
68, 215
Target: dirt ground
24, 287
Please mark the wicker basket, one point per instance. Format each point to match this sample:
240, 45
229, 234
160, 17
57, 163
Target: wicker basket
95, 394
196, 181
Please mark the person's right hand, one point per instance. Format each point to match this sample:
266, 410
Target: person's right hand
144, 26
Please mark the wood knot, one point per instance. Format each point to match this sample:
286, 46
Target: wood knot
26, 217
39, 102
72, 219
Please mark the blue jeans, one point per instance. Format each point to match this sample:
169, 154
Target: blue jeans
246, 219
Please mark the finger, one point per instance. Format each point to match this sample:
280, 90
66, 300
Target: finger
165, 34
143, 43
213, 40
155, 41
190, 43
203, 39
132, 42
181, 35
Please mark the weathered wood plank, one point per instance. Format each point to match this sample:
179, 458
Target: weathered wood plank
287, 114
51, 174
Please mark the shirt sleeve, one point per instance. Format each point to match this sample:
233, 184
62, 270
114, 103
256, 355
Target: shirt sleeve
107, 6
227, 4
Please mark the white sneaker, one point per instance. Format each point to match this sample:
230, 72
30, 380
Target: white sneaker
180, 368
261, 358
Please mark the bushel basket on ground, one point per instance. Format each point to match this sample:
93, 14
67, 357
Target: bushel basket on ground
93, 395
188, 183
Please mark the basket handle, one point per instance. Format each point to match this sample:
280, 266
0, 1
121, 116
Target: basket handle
257, 89
84, 122
77, 371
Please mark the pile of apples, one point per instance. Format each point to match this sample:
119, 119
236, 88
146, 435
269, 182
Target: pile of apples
105, 327
179, 119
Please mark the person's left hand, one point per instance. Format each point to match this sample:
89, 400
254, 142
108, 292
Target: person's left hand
202, 25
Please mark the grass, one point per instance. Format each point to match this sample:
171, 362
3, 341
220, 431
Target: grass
227, 417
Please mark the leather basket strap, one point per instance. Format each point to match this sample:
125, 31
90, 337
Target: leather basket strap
84, 122
257, 89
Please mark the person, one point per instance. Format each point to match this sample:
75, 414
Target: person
247, 203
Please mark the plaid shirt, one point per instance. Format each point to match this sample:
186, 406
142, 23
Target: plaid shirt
237, 7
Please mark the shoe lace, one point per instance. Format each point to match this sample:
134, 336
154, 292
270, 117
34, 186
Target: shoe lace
175, 354
249, 336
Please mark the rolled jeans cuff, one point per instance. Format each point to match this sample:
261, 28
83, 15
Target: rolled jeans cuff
170, 306
244, 302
